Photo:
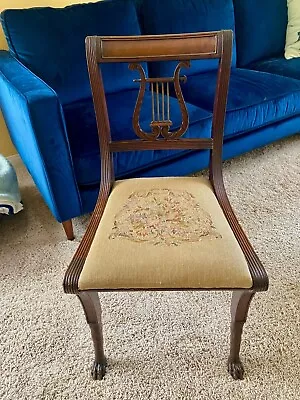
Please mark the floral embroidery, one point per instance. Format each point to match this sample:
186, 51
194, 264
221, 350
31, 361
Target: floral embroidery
163, 216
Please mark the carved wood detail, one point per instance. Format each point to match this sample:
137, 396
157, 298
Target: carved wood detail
161, 122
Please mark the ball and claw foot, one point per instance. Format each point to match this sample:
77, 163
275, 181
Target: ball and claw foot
236, 369
98, 370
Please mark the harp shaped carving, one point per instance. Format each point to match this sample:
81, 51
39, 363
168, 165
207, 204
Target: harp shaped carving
161, 124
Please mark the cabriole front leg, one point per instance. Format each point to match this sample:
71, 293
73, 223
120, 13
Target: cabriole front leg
239, 309
92, 308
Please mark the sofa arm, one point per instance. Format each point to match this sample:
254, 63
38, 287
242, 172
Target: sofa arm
35, 120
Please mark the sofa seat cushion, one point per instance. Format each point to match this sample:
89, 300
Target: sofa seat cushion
50, 42
279, 66
83, 137
185, 16
255, 98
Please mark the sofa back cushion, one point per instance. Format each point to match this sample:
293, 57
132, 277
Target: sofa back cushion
51, 43
260, 29
183, 16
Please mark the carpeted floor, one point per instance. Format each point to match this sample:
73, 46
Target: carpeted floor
159, 345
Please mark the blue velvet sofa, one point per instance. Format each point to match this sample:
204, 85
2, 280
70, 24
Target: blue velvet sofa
46, 100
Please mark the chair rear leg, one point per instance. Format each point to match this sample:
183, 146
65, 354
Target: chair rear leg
92, 309
239, 309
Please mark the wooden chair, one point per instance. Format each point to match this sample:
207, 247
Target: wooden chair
176, 233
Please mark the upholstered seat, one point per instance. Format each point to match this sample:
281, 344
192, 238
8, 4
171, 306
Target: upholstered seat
164, 233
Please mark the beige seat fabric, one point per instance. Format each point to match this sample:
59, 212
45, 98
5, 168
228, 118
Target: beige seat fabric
164, 233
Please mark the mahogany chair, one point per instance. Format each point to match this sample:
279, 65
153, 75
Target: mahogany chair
176, 233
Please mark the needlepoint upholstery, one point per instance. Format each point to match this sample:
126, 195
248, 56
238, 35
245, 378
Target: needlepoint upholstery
164, 233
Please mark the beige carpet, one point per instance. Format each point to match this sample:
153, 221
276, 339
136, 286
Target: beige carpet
159, 345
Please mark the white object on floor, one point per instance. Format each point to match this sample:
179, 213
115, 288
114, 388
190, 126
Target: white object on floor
10, 197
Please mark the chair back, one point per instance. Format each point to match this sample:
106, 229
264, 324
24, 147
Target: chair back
135, 50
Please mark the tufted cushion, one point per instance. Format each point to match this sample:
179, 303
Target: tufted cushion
50, 42
164, 233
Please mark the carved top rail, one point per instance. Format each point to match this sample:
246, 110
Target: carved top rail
152, 48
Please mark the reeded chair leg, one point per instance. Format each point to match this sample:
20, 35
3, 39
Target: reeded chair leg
68, 227
92, 309
239, 309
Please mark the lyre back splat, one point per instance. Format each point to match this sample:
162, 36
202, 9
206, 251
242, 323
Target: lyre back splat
161, 123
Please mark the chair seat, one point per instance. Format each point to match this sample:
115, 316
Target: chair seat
164, 233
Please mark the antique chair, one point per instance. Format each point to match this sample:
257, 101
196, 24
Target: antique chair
176, 233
